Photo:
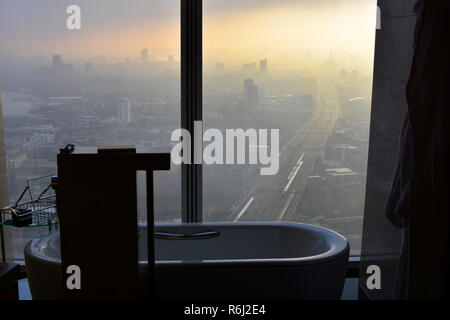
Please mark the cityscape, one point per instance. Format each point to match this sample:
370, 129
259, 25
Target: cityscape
39, 118
321, 107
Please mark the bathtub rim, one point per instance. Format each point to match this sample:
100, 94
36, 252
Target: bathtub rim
338, 247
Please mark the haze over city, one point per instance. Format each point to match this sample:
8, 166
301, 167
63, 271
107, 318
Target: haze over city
304, 67
289, 33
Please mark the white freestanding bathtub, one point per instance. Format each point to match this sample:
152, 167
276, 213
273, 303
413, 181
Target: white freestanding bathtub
220, 261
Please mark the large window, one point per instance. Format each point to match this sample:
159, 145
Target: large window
295, 72
305, 68
113, 81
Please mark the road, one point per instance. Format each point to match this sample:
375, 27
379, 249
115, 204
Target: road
275, 198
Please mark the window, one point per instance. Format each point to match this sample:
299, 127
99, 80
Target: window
296, 72
305, 68
116, 80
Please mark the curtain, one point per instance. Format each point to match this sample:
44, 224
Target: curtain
428, 97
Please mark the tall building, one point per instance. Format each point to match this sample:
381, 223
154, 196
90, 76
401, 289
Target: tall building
170, 59
57, 61
248, 83
263, 65
144, 56
111, 106
4, 198
262, 92
253, 99
251, 92
125, 111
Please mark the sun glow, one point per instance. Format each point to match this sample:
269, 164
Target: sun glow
290, 36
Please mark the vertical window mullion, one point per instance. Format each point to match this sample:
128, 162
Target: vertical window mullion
191, 104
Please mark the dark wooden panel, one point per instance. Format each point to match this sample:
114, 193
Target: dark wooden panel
98, 214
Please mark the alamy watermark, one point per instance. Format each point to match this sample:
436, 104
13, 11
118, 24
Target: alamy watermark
73, 281
373, 281
237, 146
73, 22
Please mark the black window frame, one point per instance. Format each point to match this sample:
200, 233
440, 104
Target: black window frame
191, 103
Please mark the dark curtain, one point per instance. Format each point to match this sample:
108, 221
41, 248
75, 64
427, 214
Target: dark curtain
428, 96
397, 206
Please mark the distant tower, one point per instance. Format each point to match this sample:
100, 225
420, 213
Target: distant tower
263, 66
4, 198
253, 99
251, 94
57, 61
262, 92
248, 83
144, 56
125, 111
170, 59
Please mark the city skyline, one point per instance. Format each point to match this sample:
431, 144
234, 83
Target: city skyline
283, 30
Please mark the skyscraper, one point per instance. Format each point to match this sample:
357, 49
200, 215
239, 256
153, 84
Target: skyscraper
263, 65
253, 99
251, 92
125, 111
3, 171
248, 83
57, 61
144, 56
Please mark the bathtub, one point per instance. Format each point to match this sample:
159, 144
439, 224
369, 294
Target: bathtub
274, 261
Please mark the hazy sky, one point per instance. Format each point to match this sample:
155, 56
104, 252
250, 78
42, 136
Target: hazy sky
285, 32
234, 30
110, 27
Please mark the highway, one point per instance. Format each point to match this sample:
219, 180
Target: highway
275, 198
